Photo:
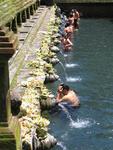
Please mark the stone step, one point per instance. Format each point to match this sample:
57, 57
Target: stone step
7, 50
10, 50
28, 25
4, 31
7, 37
4, 39
24, 30
22, 37
9, 43
6, 44
35, 17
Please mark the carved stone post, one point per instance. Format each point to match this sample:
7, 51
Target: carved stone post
9, 126
28, 13
14, 25
19, 19
24, 16
31, 10
37, 4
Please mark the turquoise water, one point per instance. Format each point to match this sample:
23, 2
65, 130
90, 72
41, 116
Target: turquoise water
89, 70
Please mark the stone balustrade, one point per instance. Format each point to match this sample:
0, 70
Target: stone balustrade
9, 126
12, 14
10, 8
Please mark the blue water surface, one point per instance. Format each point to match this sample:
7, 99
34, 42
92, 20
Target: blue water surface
89, 70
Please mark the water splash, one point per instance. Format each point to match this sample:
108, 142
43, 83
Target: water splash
63, 57
73, 79
79, 123
60, 144
59, 79
71, 65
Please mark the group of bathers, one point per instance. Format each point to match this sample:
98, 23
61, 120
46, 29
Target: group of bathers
68, 26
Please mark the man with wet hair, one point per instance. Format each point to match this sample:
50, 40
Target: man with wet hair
65, 94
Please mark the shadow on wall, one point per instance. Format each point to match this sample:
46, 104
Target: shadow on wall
94, 10
47, 2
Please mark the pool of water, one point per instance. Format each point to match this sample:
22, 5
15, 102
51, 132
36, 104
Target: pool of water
88, 68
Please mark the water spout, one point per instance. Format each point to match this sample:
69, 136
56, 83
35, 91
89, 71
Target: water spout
65, 110
71, 65
63, 56
64, 70
60, 144
73, 79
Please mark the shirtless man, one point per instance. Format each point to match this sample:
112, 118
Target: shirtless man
67, 44
69, 29
65, 94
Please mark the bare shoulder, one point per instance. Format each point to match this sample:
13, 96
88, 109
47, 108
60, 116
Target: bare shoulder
65, 97
72, 92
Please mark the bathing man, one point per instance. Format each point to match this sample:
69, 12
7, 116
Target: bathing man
65, 94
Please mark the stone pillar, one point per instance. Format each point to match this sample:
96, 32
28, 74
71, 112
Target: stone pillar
4, 87
19, 19
28, 13
24, 16
9, 125
14, 25
37, 4
31, 10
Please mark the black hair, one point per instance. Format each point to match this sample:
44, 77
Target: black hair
67, 24
66, 87
62, 84
71, 14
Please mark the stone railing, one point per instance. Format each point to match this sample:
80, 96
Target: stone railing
9, 8
12, 14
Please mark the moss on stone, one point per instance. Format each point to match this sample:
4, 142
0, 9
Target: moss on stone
9, 9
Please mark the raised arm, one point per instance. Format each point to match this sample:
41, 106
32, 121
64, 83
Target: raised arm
61, 98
